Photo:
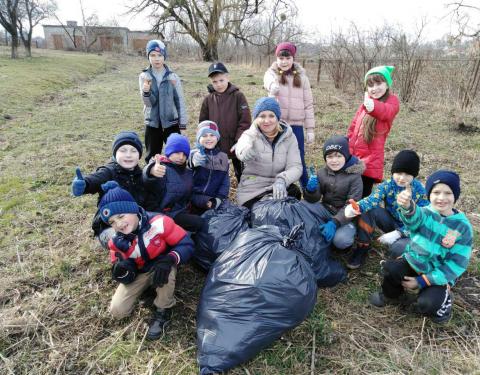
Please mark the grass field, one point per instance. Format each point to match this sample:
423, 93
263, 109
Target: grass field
63, 110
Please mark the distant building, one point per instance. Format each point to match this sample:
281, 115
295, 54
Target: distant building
99, 38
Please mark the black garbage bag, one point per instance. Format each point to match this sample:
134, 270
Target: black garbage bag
221, 227
288, 212
254, 292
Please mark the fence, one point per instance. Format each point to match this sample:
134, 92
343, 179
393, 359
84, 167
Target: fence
440, 80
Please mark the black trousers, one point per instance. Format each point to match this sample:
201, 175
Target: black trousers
432, 300
155, 138
292, 191
189, 222
367, 186
237, 168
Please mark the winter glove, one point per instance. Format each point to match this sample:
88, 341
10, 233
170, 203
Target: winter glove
124, 271
312, 183
310, 137
199, 159
328, 230
368, 103
390, 237
352, 209
248, 155
279, 189
78, 184
162, 269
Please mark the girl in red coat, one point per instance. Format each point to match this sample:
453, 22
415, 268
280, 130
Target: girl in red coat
372, 123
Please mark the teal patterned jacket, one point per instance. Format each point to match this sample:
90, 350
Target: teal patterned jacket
440, 246
385, 194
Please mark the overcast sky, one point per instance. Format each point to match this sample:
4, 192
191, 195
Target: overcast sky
319, 16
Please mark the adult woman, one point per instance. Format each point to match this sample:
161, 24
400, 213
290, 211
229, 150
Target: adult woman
270, 152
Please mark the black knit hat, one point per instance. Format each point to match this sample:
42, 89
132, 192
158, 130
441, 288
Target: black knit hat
337, 143
127, 138
406, 161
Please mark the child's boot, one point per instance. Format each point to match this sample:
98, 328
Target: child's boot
358, 256
160, 319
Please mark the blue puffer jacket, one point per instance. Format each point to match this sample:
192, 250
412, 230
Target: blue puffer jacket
212, 180
170, 194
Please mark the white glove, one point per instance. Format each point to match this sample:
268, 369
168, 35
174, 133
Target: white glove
368, 103
279, 189
199, 159
390, 237
350, 212
248, 155
310, 137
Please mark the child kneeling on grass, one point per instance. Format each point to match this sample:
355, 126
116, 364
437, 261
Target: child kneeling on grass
210, 166
145, 251
438, 254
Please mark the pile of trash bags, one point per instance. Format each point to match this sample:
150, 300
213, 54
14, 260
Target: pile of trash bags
258, 289
262, 281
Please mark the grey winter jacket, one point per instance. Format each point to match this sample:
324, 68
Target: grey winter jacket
281, 160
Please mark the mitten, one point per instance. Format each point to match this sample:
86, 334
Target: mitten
199, 159
279, 189
390, 237
124, 271
78, 184
368, 103
312, 183
328, 230
162, 269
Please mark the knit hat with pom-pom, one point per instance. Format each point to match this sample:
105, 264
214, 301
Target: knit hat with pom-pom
116, 201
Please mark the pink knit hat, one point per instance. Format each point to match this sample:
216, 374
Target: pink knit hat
290, 47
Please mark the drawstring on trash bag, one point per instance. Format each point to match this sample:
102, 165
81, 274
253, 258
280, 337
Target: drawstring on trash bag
291, 237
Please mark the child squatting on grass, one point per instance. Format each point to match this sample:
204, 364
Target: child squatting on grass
211, 182
438, 254
336, 183
405, 168
123, 168
145, 251
164, 106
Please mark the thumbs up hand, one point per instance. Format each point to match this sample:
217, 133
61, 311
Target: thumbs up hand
404, 198
200, 158
312, 183
368, 103
78, 183
158, 170
147, 83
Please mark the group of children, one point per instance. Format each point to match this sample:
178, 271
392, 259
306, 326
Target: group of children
145, 217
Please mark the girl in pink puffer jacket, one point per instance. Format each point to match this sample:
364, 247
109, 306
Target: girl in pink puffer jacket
288, 83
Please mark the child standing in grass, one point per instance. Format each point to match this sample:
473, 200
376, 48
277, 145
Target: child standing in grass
145, 251
380, 209
372, 123
336, 183
164, 105
226, 106
211, 182
287, 81
169, 183
123, 168
439, 252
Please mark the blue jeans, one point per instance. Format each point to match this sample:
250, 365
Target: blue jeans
298, 131
344, 236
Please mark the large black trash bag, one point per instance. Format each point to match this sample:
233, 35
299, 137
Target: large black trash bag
221, 227
288, 212
254, 292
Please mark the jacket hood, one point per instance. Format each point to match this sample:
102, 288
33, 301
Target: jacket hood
356, 168
231, 88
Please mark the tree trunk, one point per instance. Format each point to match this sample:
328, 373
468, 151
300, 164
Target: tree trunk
210, 52
14, 54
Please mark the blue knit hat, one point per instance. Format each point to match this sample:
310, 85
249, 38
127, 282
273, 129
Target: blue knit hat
127, 138
156, 45
116, 201
267, 104
205, 127
337, 143
445, 177
177, 143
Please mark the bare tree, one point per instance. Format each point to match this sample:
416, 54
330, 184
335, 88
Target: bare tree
8, 19
205, 21
463, 14
30, 13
